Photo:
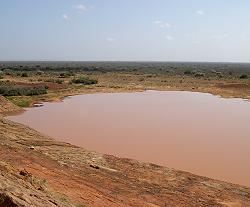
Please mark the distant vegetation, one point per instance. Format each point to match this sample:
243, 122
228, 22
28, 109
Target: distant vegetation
68, 69
84, 80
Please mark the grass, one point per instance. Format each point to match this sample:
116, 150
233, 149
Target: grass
20, 101
81, 205
64, 199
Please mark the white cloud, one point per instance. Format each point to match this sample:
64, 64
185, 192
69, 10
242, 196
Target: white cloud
200, 12
81, 8
110, 39
162, 24
169, 37
65, 17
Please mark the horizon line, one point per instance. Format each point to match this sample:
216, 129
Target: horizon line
127, 61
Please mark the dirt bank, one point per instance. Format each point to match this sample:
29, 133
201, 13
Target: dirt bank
7, 107
39, 171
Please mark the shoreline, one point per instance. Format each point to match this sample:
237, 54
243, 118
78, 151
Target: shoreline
86, 91
62, 98
96, 93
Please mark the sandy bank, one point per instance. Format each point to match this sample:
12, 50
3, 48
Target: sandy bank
39, 171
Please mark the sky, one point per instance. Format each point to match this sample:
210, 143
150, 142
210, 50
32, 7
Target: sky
125, 30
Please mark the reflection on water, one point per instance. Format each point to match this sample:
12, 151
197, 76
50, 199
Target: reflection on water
195, 132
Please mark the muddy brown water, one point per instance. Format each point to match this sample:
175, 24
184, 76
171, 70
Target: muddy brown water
196, 132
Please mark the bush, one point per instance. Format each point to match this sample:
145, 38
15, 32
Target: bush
58, 81
21, 91
1, 76
8, 72
199, 75
65, 75
39, 73
84, 81
24, 75
244, 76
188, 72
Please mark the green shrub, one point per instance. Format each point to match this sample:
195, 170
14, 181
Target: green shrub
243, 76
21, 91
65, 75
199, 75
58, 81
8, 72
39, 73
84, 81
25, 75
188, 72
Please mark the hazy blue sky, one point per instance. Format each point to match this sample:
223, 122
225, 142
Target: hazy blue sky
164, 30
